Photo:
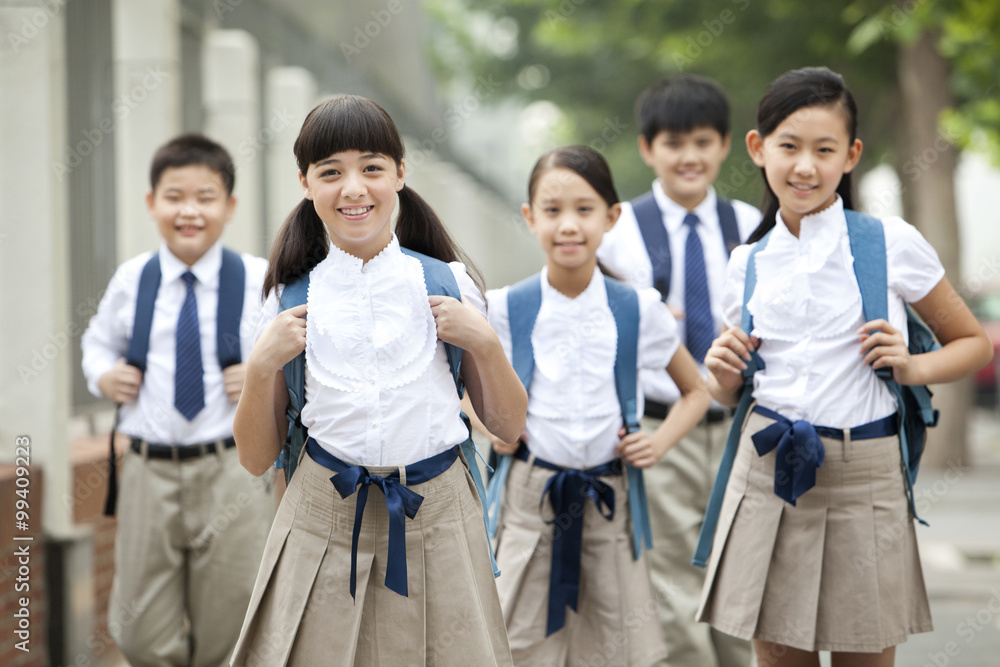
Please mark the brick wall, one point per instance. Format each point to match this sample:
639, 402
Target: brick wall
87, 494
22, 573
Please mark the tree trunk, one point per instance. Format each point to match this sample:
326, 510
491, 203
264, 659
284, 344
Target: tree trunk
928, 176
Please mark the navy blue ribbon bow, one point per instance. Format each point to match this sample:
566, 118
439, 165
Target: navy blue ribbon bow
568, 491
401, 502
800, 453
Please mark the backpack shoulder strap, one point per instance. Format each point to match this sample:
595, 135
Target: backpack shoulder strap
294, 294
707, 535
149, 285
657, 240
624, 304
232, 283
524, 299
867, 239
440, 280
727, 221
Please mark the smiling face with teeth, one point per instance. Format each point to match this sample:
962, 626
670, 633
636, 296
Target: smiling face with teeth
804, 159
354, 193
191, 207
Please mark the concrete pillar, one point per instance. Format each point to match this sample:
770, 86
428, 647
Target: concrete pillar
146, 109
290, 93
231, 92
35, 357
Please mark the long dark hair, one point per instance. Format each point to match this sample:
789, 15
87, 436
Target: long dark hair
794, 90
345, 123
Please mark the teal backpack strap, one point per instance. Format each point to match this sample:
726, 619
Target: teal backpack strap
524, 299
294, 294
867, 238
624, 304
708, 526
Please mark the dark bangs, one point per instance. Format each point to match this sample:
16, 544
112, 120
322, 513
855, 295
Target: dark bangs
682, 104
581, 160
346, 123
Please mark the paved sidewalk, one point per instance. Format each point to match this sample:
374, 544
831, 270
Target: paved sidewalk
960, 551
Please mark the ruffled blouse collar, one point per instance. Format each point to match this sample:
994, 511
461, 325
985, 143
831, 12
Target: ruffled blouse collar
801, 281
369, 323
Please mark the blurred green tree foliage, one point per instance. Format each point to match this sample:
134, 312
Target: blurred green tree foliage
593, 57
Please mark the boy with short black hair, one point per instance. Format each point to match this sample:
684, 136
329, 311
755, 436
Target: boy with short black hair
167, 344
677, 238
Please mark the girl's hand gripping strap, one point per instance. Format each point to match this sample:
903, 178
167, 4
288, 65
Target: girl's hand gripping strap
711, 520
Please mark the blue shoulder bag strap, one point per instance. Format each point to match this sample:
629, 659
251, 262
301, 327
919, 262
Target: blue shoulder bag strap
232, 279
624, 304
138, 350
654, 235
524, 299
149, 285
294, 294
232, 286
727, 221
867, 238
708, 526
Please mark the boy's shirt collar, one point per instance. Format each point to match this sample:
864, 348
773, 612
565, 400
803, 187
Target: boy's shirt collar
206, 269
673, 213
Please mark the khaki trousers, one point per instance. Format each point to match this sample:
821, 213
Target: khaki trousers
190, 538
678, 488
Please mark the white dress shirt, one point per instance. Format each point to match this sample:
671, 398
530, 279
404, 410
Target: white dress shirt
624, 252
807, 310
379, 390
152, 416
573, 409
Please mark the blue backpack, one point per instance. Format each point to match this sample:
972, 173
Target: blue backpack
916, 414
657, 240
524, 299
439, 280
232, 281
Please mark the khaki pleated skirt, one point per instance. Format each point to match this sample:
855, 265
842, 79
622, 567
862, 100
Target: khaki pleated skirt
616, 622
839, 571
302, 613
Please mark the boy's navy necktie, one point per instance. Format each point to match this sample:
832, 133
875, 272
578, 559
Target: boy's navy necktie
189, 387
698, 323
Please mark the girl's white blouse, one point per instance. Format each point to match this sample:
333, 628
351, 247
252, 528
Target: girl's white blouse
573, 410
379, 390
807, 309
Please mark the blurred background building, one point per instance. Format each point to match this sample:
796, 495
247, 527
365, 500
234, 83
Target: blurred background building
88, 91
